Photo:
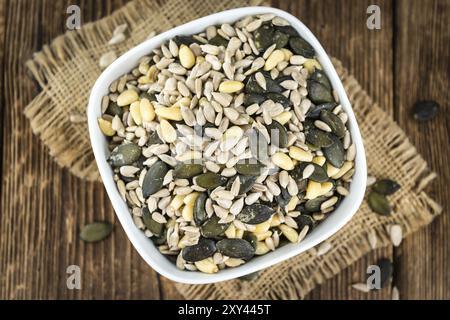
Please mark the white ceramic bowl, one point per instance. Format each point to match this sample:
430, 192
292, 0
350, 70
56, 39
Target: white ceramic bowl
143, 245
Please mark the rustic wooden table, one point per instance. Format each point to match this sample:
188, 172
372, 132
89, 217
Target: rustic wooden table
42, 206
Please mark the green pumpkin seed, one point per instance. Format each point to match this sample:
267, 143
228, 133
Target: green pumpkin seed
236, 248
314, 111
96, 231
289, 30
255, 214
155, 227
283, 198
205, 248
210, 180
335, 153
187, 170
218, 41
318, 138
251, 238
334, 122
153, 180
200, 214
379, 203
318, 93
280, 39
386, 271
154, 139
319, 174
249, 168
250, 276
278, 134
263, 37
125, 154
148, 96
305, 220
247, 183
302, 185
114, 110
252, 98
313, 205
302, 47
386, 186
425, 110
186, 40
252, 85
212, 228
321, 77
279, 98
160, 240
258, 145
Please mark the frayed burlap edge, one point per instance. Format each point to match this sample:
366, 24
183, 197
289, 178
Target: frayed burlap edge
389, 154
67, 69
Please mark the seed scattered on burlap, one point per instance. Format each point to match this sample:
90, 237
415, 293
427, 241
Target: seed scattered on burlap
106, 59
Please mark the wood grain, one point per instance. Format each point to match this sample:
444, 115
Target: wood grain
43, 206
422, 70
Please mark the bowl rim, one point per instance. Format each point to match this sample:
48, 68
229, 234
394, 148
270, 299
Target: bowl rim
143, 245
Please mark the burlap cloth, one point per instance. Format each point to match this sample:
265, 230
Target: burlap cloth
67, 69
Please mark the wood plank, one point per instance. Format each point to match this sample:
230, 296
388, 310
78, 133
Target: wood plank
43, 206
422, 70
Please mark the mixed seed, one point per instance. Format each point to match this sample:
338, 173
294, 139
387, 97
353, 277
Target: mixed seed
229, 143
377, 198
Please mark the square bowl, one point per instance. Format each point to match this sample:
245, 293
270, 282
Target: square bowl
145, 246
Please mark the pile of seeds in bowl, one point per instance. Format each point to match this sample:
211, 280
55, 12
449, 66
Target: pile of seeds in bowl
229, 143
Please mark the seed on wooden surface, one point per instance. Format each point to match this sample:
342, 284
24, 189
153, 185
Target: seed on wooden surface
425, 110
386, 271
363, 287
395, 295
96, 231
